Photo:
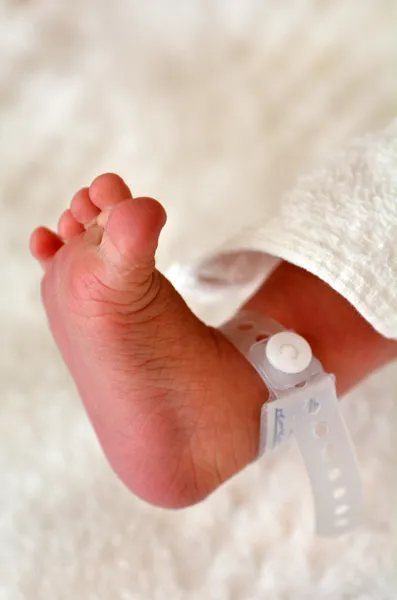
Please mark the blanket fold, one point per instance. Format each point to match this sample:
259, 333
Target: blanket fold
340, 223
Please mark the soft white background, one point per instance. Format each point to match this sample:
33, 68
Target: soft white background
215, 107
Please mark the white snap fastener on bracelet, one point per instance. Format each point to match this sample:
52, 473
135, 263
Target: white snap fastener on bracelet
288, 352
303, 403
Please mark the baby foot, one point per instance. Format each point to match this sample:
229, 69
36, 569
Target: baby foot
175, 406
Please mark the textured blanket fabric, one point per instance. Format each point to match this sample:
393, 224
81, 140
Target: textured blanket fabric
339, 223
216, 108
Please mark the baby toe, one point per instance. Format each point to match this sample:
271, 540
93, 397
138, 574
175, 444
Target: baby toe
68, 227
44, 244
82, 208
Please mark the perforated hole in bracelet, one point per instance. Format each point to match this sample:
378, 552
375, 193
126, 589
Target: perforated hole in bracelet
301, 385
339, 493
341, 509
334, 474
321, 429
245, 326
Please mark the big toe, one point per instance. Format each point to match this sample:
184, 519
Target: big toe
107, 190
130, 239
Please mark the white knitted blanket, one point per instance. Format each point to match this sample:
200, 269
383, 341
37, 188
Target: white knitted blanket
216, 107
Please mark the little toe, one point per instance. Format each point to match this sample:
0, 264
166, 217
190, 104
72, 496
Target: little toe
44, 244
68, 227
82, 208
107, 190
131, 236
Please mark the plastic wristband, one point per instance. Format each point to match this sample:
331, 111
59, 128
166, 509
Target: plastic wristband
303, 403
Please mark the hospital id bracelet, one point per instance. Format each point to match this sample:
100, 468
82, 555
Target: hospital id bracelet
303, 403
